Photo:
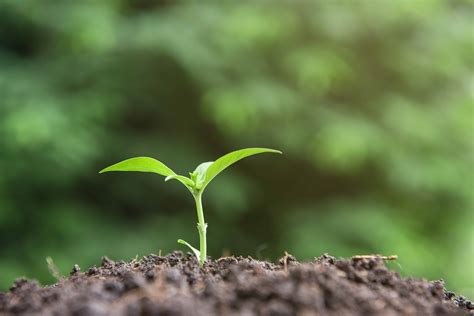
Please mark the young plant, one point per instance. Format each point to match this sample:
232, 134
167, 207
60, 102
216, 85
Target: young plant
196, 183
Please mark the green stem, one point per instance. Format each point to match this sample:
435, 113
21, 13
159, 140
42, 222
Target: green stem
202, 227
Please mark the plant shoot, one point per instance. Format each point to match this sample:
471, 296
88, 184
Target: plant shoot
196, 183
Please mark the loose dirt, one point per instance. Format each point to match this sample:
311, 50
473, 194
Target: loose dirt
176, 285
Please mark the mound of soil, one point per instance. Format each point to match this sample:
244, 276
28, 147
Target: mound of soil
176, 285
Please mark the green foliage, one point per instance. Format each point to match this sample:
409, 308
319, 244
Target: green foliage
207, 171
141, 164
371, 102
196, 184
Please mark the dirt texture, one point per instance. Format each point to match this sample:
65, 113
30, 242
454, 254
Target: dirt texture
176, 285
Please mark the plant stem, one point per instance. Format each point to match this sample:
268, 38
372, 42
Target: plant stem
202, 227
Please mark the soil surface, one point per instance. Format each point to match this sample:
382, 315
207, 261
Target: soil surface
176, 285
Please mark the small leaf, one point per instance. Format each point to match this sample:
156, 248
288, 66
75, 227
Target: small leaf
200, 172
225, 161
184, 180
141, 164
196, 252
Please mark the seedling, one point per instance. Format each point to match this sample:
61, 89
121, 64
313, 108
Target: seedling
196, 183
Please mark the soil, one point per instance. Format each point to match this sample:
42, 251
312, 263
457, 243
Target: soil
176, 285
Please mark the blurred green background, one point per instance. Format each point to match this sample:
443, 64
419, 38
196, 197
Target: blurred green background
370, 101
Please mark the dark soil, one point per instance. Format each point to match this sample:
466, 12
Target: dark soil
175, 285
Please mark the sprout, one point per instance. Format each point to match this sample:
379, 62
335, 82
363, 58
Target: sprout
196, 183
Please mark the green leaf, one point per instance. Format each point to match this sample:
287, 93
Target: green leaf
184, 180
141, 164
200, 173
196, 252
225, 161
